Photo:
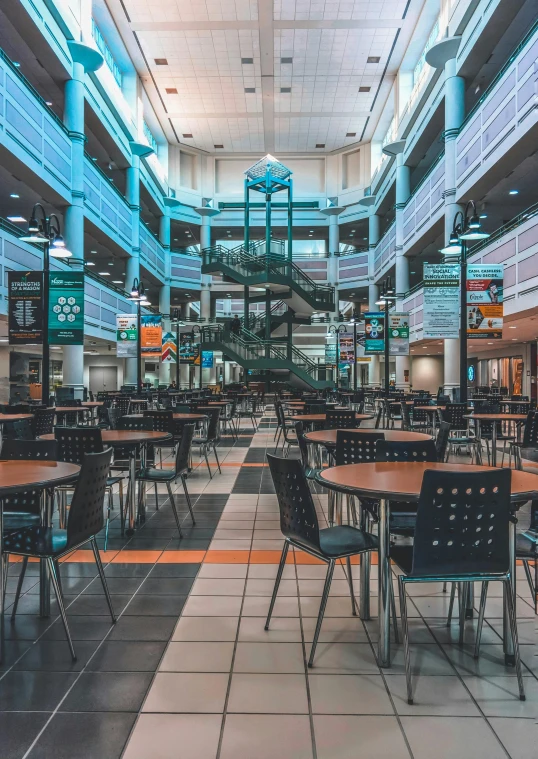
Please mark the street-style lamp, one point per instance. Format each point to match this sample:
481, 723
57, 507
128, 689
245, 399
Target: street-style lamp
386, 300
45, 230
354, 319
138, 296
336, 331
176, 318
466, 227
197, 330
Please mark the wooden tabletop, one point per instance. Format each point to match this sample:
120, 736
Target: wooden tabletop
124, 437
323, 417
402, 481
14, 417
430, 408
497, 417
328, 437
68, 409
92, 404
218, 403
21, 474
190, 417
207, 408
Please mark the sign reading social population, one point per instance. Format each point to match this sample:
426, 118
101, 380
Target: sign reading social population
485, 301
441, 301
374, 332
25, 293
399, 334
66, 308
126, 335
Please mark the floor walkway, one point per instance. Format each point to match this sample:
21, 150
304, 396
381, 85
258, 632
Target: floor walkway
188, 672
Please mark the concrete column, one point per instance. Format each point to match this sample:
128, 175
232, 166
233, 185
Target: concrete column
403, 192
454, 116
132, 268
164, 308
373, 289
165, 370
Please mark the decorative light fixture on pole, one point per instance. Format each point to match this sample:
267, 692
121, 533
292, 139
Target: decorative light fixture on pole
197, 330
138, 295
45, 230
176, 319
465, 227
355, 317
334, 330
387, 299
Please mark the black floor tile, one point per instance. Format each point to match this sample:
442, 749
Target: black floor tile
27, 584
71, 586
84, 736
188, 544
116, 585
82, 627
18, 732
154, 605
127, 656
255, 456
174, 570
167, 586
54, 656
96, 604
26, 627
127, 570
13, 650
78, 569
108, 692
147, 544
143, 628
33, 691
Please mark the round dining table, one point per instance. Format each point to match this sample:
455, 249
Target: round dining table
327, 438
19, 475
313, 418
402, 481
4, 418
478, 418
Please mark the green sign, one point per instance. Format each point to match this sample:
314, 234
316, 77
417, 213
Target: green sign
66, 308
374, 331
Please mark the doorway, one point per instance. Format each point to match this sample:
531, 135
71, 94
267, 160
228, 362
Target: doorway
103, 379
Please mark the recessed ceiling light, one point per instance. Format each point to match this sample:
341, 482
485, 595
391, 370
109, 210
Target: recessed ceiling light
94, 252
412, 272
364, 89
171, 90
218, 147
490, 343
16, 64
483, 216
373, 59
48, 102
512, 327
104, 273
111, 263
250, 90
161, 62
14, 195
514, 338
351, 134
16, 219
187, 136
117, 281
286, 60
90, 263
285, 89
247, 60
514, 192
320, 144
352, 230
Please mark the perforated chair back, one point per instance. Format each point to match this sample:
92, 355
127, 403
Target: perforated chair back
406, 418
22, 430
530, 431
34, 450
419, 415
183, 449
213, 425
356, 447
114, 415
338, 419
43, 422
74, 443
392, 450
486, 428
298, 519
441, 443
303, 445
454, 414
69, 402
462, 523
86, 511
314, 408
163, 421
123, 405
144, 423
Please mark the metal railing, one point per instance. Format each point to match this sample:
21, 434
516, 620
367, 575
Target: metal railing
426, 176
104, 176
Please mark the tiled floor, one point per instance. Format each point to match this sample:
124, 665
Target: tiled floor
188, 671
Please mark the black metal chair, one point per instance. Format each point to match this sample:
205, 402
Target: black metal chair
285, 427
406, 451
486, 432
167, 476
211, 438
43, 422
406, 417
85, 521
454, 414
461, 536
441, 441
299, 525
310, 472
67, 418
248, 412
230, 417
340, 419
421, 419
123, 404
22, 430
529, 441
163, 421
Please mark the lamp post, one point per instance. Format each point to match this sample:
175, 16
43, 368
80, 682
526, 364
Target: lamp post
334, 330
176, 317
353, 321
387, 299
138, 295
466, 226
196, 330
45, 230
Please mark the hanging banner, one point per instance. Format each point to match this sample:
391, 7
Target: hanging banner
126, 335
399, 334
374, 333
441, 310
188, 349
25, 294
485, 301
66, 308
207, 359
151, 336
346, 349
330, 353
169, 348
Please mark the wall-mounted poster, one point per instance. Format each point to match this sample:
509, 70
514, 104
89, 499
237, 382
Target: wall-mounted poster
399, 334
346, 348
66, 308
374, 333
126, 335
485, 301
169, 348
151, 336
441, 310
25, 293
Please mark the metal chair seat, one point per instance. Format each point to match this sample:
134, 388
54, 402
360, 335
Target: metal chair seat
44, 542
156, 475
344, 540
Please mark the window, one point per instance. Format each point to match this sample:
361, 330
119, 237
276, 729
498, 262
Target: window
107, 53
148, 134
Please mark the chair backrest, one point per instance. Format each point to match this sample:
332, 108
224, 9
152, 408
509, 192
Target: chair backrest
43, 422
163, 421
182, 408
406, 419
213, 425
298, 519
184, 448
114, 415
392, 450
22, 430
441, 441
74, 443
356, 447
462, 523
336, 419
314, 408
123, 404
454, 414
144, 423
86, 511
17, 408
34, 450
489, 407
418, 414
70, 402
303, 445
378, 417
530, 431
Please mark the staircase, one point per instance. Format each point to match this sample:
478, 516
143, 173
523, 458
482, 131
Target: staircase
281, 316
255, 267
253, 353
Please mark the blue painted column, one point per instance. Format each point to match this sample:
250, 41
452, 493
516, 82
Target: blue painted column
164, 292
85, 59
373, 289
132, 268
403, 192
207, 212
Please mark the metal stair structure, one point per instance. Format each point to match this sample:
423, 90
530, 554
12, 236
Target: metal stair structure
281, 317
253, 353
252, 266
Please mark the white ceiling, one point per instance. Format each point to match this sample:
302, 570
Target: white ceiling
329, 42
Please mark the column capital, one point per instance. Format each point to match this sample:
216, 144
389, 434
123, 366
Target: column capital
443, 51
89, 57
140, 149
394, 148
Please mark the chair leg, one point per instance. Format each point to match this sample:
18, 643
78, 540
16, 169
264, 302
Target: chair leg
187, 496
204, 453
481, 612
122, 509
54, 579
324, 599
463, 596
281, 566
216, 457
350, 582
393, 612
107, 525
528, 575
19, 586
103, 578
405, 631
174, 509
451, 604
156, 498
510, 602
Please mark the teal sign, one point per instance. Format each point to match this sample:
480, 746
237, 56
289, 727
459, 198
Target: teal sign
207, 359
66, 308
374, 333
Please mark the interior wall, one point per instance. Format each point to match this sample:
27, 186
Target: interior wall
103, 360
427, 373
